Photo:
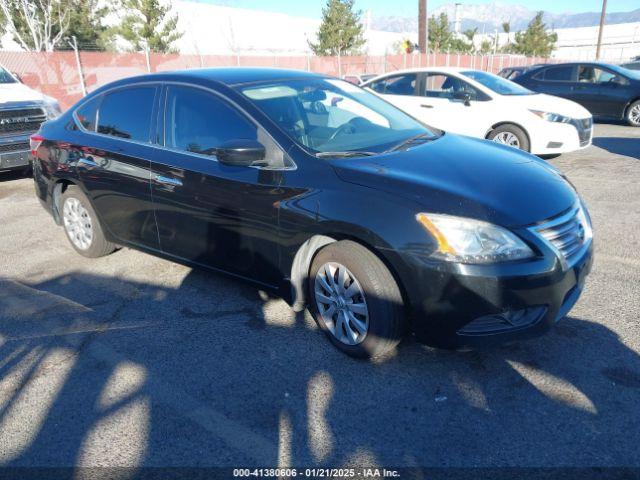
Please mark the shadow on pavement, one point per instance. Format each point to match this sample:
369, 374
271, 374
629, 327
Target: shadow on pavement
215, 373
10, 175
626, 146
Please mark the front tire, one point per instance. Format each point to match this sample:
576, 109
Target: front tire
82, 226
355, 300
510, 135
633, 114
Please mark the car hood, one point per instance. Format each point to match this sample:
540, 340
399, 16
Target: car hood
18, 92
548, 103
467, 177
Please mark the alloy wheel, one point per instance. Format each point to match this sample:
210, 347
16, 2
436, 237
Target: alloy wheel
341, 303
634, 114
77, 223
507, 138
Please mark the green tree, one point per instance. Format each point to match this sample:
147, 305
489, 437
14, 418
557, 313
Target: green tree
506, 27
46, 25
440, 35
535, 40
340, 32
147, 25
470, 35
486, 47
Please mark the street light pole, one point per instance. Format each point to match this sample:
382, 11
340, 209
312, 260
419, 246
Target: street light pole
602, 15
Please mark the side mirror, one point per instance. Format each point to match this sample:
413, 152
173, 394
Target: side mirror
617, 80
464, 96
241, 153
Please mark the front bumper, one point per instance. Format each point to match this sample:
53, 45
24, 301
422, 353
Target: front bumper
15, 160
15, 152
553, 138
458, 305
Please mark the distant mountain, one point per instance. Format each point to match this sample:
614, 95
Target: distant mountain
488, 17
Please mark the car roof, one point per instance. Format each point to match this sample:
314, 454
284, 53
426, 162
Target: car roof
228, 76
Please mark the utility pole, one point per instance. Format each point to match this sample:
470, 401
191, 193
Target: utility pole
423, 27
602, 15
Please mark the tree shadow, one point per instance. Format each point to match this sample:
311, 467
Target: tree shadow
212, 372
626, 146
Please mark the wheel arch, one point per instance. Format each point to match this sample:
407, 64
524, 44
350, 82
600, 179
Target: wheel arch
509, 122
59, 188
309, 249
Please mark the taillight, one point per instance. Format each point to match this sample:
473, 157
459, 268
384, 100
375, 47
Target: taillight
34, 142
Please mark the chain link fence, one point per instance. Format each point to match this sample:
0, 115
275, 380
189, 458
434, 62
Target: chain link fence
67, 76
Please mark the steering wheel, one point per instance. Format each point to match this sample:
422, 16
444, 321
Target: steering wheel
342, 129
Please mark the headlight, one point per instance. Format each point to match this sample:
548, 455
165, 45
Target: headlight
551, 117
51, 108
472, 241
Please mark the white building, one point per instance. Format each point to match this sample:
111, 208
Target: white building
620, 42
218, 30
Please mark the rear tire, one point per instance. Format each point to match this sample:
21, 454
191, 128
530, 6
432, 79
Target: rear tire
510, 135
365, 316
633, 114
82, 226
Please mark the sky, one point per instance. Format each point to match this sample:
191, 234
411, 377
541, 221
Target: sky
405, 8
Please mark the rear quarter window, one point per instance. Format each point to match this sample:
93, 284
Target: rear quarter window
86, 114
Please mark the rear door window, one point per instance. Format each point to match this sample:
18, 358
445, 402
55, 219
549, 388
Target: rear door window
86, 114
127, 113
557, 74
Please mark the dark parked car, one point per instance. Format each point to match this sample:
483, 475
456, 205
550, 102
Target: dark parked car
512, 72
326, 194
632, 65
607, 91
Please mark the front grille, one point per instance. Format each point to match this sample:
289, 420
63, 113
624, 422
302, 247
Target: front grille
568, 234
584, 127
14, 147
21, 120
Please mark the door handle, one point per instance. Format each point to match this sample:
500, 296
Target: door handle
425, 105
168, 181
87, 162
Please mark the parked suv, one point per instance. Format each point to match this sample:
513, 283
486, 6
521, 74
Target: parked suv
316, 189
607, 91
22, 110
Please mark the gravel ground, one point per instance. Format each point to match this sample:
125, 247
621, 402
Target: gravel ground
131, 360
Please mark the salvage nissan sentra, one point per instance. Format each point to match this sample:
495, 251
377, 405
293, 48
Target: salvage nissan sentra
326, 194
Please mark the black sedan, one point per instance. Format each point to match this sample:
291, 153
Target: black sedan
607, 91
324, 193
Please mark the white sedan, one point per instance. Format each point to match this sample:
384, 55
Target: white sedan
480, 104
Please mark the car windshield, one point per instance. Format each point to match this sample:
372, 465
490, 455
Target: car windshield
329, 115
627, 72
5, 77
497, 84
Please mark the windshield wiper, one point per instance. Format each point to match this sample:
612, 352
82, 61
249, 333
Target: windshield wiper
420, 138
345, 154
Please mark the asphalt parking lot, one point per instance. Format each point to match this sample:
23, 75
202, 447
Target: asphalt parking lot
131, 360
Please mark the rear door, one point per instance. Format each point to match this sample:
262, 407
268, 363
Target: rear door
220, 216
557, 80
112, 161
